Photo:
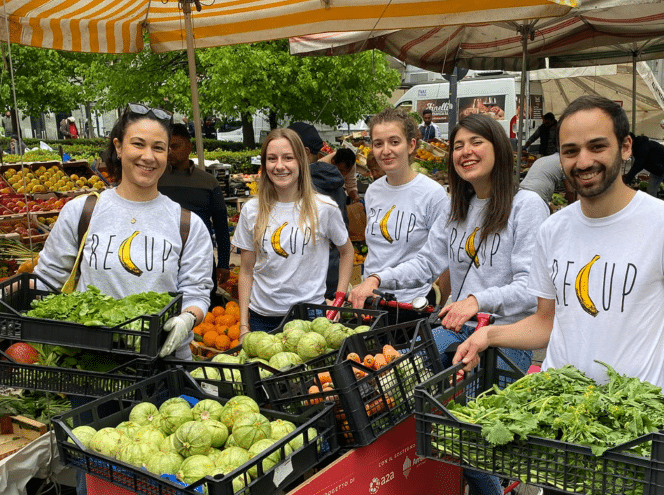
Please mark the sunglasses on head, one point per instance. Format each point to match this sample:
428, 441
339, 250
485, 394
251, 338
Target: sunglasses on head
158, 113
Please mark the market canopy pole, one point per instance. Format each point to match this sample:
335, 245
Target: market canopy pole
526, 31
193, 80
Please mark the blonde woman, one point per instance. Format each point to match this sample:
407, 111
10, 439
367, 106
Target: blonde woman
284, 237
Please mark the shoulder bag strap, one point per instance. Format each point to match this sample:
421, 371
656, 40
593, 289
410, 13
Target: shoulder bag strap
185, 221
83, 228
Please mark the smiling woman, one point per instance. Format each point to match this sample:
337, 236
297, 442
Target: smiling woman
135, 241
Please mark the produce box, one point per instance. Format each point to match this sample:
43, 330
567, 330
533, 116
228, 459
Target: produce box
23, 229
247, 378
140, 336
368, 401
39, 177
115, 408
74, 381
17, 432
389, 466
544, 462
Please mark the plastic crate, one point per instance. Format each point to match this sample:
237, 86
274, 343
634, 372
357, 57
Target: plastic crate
246, 378
537, 461
19, 291
368, 406
75, 381
115, 408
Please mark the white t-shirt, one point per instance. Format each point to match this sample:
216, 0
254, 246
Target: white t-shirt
498, 275
621, 319
413, 208
290, 269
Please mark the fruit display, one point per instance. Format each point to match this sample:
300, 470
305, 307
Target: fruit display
360, 253
40, 179
16, 204
188, 439
22, 228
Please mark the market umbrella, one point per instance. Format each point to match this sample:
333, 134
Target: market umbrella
615, 81
596, 32
117, 26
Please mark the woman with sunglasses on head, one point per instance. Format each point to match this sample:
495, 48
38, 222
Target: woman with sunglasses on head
134, 243
486, 242
401, 207
284, 236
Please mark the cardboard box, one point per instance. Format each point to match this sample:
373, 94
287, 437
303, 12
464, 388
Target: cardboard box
17, 432
389, 466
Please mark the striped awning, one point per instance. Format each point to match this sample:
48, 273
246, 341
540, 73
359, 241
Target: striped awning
117, 26
597, 32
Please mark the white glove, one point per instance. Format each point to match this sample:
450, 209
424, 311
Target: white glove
178, 328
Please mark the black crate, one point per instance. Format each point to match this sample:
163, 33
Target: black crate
19, 291
366, 406
115, 408
544, 462
73, 381
249, 381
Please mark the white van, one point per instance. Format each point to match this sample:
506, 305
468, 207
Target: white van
495, 96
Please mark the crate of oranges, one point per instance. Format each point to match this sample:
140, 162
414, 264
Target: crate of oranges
216, 365
218, 332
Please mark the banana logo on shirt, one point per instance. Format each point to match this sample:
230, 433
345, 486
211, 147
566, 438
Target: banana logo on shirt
581, 288
470, 248
383, 225
124, 253
275, 240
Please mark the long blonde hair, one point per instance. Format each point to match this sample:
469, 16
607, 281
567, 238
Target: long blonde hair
267, 194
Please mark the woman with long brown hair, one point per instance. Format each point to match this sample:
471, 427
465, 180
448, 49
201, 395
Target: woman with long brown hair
284, 236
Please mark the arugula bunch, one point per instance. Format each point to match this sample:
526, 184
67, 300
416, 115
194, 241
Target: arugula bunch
565, 405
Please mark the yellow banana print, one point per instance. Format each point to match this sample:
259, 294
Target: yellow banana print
276, 241
383, 225
470, 248
581, 288
125, 256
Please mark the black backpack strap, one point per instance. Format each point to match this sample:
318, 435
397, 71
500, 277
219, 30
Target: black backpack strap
86, 214
185, 221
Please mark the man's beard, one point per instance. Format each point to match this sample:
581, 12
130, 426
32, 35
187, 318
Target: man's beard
610, 176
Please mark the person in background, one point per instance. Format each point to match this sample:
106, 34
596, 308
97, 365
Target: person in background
344, 160
401, 207
546, 133
429, 131
199, 192
284, 237
14, 148
327, 180
648, 155
209, 128
64, 128
544, 176
73, 130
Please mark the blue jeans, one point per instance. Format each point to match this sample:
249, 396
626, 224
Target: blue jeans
478, 483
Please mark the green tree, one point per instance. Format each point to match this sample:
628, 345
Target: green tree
243, 79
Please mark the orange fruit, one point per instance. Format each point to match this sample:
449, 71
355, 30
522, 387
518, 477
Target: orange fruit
222, 329
233, 332
209, 318
218, 311
227, 320
233, 311
222, 342
234, 343
199, 329
206, 327
231, 304
210, 337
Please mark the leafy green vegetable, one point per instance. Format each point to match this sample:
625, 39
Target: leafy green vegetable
96, 309
39, 406
565, 405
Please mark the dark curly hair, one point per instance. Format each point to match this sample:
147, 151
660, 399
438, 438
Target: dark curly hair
110, 156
